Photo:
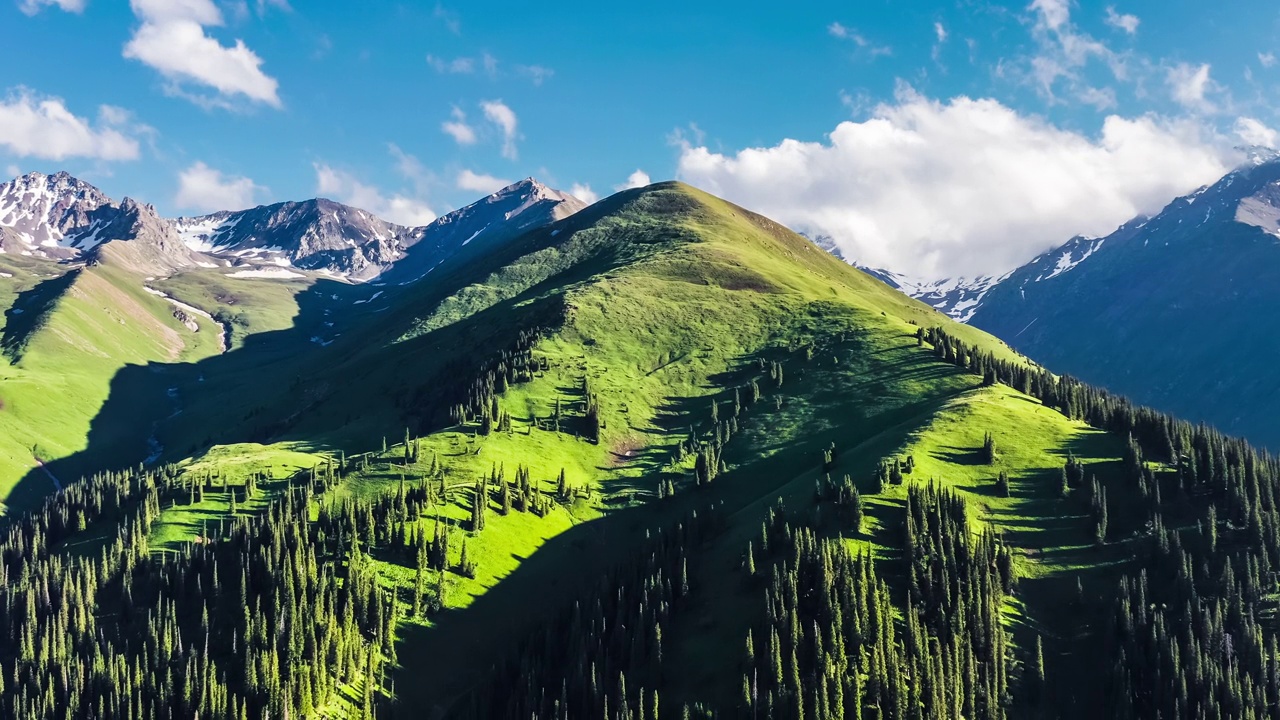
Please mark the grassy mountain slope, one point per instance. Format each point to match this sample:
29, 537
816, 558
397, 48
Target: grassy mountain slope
644, 311
65, 339
663, 300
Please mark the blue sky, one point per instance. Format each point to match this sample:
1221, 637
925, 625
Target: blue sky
997, 129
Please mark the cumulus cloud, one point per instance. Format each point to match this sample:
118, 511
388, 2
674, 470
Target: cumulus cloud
504, 118
346, 188
31, 7
637, 179
584, 193
43, 127
963, 187
206, 189
1188, 85
13, 171
172, 40
480, 183
458, 129
1267, 59
1122, 21
1252, 131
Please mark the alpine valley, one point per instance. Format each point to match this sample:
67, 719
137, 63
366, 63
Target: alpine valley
655, 457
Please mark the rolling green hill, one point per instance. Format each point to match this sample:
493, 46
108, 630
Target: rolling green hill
661, 457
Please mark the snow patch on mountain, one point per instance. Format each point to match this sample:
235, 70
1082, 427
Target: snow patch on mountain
267, 273
958, 297
1076, 251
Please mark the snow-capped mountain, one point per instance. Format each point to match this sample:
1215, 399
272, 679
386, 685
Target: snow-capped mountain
315, 234
62, 218
513, 210
957, 297
341, 240
55, 216
1175, 311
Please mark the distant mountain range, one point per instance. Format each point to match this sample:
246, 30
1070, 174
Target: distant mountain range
60, 217
1174, 311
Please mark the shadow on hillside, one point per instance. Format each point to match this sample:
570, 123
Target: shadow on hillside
325, 385
567, 565
29, 311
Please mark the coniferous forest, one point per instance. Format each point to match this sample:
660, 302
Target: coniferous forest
276, 613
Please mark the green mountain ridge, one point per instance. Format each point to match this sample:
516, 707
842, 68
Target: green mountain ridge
661, 457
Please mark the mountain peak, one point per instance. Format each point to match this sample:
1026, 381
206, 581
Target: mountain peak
53, 215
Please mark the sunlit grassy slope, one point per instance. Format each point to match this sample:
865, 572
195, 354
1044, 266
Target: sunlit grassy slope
663, 300
66, 337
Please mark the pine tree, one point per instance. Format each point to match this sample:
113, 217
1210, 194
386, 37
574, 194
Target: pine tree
1002, 484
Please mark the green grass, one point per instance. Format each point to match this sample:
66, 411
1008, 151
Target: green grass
53, 389
183, 522
663, 300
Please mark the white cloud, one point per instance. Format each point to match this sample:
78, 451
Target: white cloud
43, 127
1099, 98
476, 182
940, 39
31, 7
497, 112
13, 171
344, 187
206, 189
1062, 54
1122, 21
584, 193
458, 129
637, 179
1252, 132
1267, 59
1053, 13
456, 66
842, 32
964, 187
172, 40
1188, 85
490, 64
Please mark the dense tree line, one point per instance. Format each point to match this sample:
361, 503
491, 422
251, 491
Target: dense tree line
262, 620
478, 400
829, 644
603, 657
1189, 629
